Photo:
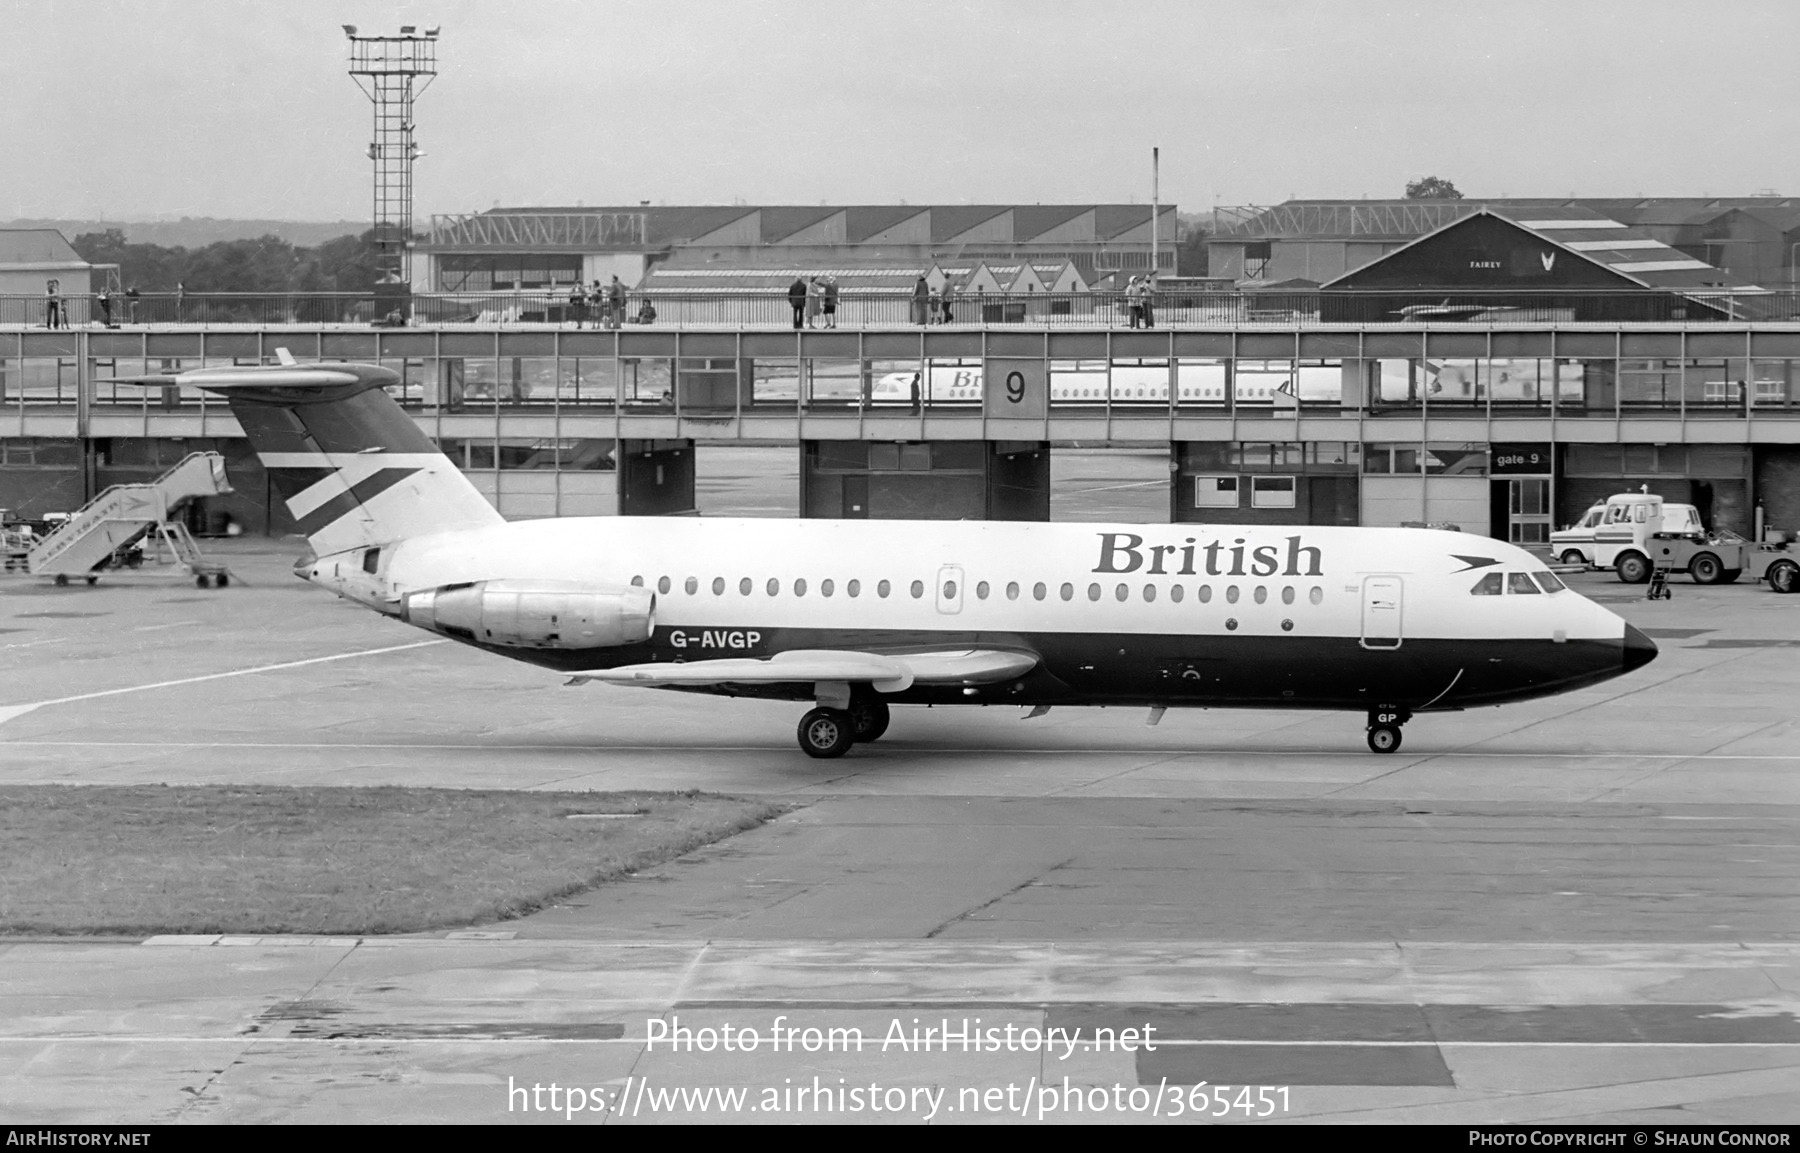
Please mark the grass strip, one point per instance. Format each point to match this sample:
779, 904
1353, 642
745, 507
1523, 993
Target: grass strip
231, 859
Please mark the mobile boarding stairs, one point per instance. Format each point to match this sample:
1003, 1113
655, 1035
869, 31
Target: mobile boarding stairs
95, 538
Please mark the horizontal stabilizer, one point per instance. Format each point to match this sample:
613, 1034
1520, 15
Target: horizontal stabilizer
246, 377
887, 672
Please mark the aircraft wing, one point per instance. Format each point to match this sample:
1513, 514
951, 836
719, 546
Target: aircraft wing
886, 672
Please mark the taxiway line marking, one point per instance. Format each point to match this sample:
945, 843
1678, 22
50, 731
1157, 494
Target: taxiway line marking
259, 1041
8, 712
1161, 755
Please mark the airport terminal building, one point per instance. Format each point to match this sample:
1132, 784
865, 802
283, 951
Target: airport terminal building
1498, 372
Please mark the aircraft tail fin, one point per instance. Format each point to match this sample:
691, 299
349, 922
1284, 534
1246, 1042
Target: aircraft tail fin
350, 464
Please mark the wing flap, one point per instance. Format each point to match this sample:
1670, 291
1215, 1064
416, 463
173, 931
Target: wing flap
968, 667
887, 672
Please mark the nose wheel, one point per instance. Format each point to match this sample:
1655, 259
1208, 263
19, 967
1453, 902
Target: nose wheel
827, 733
1384, 728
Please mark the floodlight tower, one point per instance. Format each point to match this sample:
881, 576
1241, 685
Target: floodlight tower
385, 68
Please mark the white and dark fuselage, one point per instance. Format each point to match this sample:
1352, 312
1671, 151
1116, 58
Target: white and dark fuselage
854, 614
1196, 615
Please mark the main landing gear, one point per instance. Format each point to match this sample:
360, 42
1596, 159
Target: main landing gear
1384, 728
827, 732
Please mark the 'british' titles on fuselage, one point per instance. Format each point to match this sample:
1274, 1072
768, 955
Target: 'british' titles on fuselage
1126, 552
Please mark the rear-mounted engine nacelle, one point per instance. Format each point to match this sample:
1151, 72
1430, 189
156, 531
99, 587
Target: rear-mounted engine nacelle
535, 614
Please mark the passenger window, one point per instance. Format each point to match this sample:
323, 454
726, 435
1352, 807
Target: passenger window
1287, 594
882, 589
1549, 581
1261, 594
826, 587
692, 585
981, 591
800, 586
773, 587
1518, 582
662, 586
1039, 591
918, 589
1488, 586
1122, 593
949, 590
1231, 594
718, 586
1094, 592
1068, 591
637, 581
1205, 594
744, 587
1316, 595
854, 588
1149, 593
1012, 590
1175, 593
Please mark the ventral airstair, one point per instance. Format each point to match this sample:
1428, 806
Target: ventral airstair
125, 514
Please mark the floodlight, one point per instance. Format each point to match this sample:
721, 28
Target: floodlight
349, 29
408, 29
431, 33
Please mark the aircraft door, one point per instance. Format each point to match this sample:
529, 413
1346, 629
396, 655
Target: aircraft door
950, 589
1381, 612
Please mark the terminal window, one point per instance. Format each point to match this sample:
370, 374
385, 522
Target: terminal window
1271, 492
1215, 492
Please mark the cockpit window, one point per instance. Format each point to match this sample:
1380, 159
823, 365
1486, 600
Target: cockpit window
1518, 582
1549, 581
1488, 586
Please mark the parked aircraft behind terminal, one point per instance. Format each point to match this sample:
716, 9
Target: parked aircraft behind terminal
854, 615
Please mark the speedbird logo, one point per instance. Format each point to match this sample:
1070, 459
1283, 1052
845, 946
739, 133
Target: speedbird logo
322, 487
1125, 552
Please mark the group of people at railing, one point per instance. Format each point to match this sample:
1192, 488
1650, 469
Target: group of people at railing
817, 301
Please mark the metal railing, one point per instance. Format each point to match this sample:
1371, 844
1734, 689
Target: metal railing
864, 308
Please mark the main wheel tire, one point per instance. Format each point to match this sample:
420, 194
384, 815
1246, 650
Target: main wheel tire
1384, 738
868, 717
1633, 567
93, 580
62, 580
221, 581
200, 581
827, 733
1784, 576
1706, 569
1573, 556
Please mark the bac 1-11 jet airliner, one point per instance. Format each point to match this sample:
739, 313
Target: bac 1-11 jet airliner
854, 615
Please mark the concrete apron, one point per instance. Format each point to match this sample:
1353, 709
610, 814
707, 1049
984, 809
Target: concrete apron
476, 1027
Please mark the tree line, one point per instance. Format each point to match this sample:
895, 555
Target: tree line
267, 264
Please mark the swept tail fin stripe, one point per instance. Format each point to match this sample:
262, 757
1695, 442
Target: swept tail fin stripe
350, 499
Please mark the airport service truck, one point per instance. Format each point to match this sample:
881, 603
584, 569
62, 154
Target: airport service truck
1637, 532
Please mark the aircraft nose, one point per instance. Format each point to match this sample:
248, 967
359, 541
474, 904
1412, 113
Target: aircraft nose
1640, 650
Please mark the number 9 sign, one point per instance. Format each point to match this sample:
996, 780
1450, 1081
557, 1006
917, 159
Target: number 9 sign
1015, 388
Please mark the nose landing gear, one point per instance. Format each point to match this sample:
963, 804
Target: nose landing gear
1384, 728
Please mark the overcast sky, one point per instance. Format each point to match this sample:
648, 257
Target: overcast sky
244, 108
